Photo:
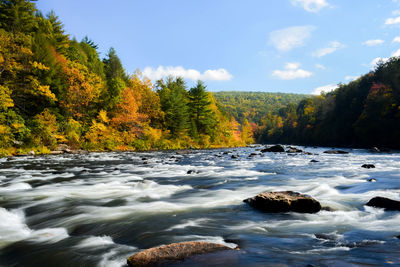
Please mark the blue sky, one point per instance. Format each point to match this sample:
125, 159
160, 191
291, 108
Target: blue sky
292, 46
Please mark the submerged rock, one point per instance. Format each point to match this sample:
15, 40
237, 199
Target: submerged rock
372, 180
368, 166
314, 161
336, 152
276, 148
385, 203
173, 252
284, 202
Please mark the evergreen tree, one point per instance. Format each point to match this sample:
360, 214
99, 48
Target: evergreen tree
173, 98
17, 16
116, 80
202, 118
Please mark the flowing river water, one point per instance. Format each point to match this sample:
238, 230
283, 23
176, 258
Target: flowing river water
98, 209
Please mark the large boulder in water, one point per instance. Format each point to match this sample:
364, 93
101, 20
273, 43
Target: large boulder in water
383, 202
284, 202
173, 252
276, 148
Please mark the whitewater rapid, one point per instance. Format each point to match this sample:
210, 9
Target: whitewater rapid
100, 208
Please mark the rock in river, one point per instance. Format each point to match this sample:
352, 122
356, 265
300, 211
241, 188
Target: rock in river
383, 202
276, 148
368, 166
293, 149
336, 152
173, 252
284, 202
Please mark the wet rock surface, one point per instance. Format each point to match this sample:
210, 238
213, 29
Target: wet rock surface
293, 149
174, 252
385, 203
284, 202
276, 148
368, 166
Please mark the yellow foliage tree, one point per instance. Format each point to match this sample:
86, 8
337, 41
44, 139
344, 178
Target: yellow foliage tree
46, 129
84, 87
247, 133
19, 71
102, 136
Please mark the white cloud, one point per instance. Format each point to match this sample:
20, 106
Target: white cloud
391, 21
396, 53
374, 42
377, 60
289, 38
396, 39
311, 5
333, 46
326, 88
351, 78
291, 71
396, 12
191, 74
320, 66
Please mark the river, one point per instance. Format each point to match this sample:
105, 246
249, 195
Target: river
97, 209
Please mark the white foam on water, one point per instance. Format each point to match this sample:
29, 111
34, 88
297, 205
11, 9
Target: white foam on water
249, 226
322, 250
116, 257
198, 200
78, 169
15, 187
103, 191
95, 241
189, 223
48, 235
13, 228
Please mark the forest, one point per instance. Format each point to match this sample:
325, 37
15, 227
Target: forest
255, 106
362, 113
57, 90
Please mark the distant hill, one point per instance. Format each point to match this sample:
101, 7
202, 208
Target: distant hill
254, 106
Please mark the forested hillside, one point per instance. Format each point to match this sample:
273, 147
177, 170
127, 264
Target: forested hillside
363, 113
57, 90
255, 106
